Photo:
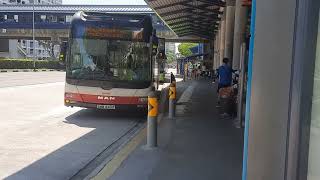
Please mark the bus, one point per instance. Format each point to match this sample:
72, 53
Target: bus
109, 62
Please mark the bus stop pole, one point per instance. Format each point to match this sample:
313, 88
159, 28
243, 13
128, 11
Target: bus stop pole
152, 120
33, 38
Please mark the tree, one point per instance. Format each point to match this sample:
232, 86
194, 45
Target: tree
184, 48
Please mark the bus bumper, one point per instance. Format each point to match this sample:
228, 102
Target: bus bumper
120, 107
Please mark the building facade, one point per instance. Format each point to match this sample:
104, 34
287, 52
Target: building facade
171, 47
28, 48
30, 1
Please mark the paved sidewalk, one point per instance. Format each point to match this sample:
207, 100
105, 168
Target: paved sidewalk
196, 145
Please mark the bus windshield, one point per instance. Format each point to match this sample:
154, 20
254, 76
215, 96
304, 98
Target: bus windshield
109, 60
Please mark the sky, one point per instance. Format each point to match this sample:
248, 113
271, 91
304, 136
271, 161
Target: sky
105, 2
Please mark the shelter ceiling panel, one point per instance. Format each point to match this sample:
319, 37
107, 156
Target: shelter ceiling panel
189, 17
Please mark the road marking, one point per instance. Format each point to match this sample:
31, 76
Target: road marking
117, 160
4, 89
186, 95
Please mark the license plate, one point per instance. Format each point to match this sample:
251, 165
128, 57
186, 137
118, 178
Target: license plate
106, 106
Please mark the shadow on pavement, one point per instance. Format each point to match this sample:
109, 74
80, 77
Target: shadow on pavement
66, 161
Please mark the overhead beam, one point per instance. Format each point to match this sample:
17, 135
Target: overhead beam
195, 34
203, 28
192, 21
179, 17
211, 15
174, 12
208, 2
195, 29
200, 29
184, 31
202, 35
202, 8
170, 5
213, 3
179, 25
208, 16
200, 16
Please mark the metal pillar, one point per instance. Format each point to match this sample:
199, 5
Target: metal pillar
172, 99
33, 37
241, 16
230, 13
152, 120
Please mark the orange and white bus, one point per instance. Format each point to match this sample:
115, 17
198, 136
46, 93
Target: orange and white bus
109, 61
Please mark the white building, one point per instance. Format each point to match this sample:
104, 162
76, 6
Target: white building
30, 1
26, 48
170, 46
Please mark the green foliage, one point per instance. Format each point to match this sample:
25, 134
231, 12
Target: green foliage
28, 64
184, 48
171, 57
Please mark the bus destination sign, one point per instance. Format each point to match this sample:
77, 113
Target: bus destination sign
114, 33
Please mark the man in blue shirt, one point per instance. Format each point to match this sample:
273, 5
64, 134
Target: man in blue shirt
225, 74
225, 77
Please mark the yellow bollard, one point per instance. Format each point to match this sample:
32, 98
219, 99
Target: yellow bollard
152, 120
172, 98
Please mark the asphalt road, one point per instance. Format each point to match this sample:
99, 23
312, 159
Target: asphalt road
41, 139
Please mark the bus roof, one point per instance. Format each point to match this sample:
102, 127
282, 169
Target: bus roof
137, 20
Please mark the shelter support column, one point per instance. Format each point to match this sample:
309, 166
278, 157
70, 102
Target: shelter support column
216, 51
241, 16
270, 89
229, 28
222, 37
212, 52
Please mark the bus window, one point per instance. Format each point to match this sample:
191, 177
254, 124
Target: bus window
100, 58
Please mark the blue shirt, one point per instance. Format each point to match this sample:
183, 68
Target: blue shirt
225, 75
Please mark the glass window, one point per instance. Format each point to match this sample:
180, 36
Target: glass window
110, 60
314, 147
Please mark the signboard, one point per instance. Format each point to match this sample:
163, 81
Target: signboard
112, 33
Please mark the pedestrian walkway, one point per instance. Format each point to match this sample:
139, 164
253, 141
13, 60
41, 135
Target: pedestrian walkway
196, 145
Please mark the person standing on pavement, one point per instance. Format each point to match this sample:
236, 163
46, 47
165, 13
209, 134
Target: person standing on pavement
225, 75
